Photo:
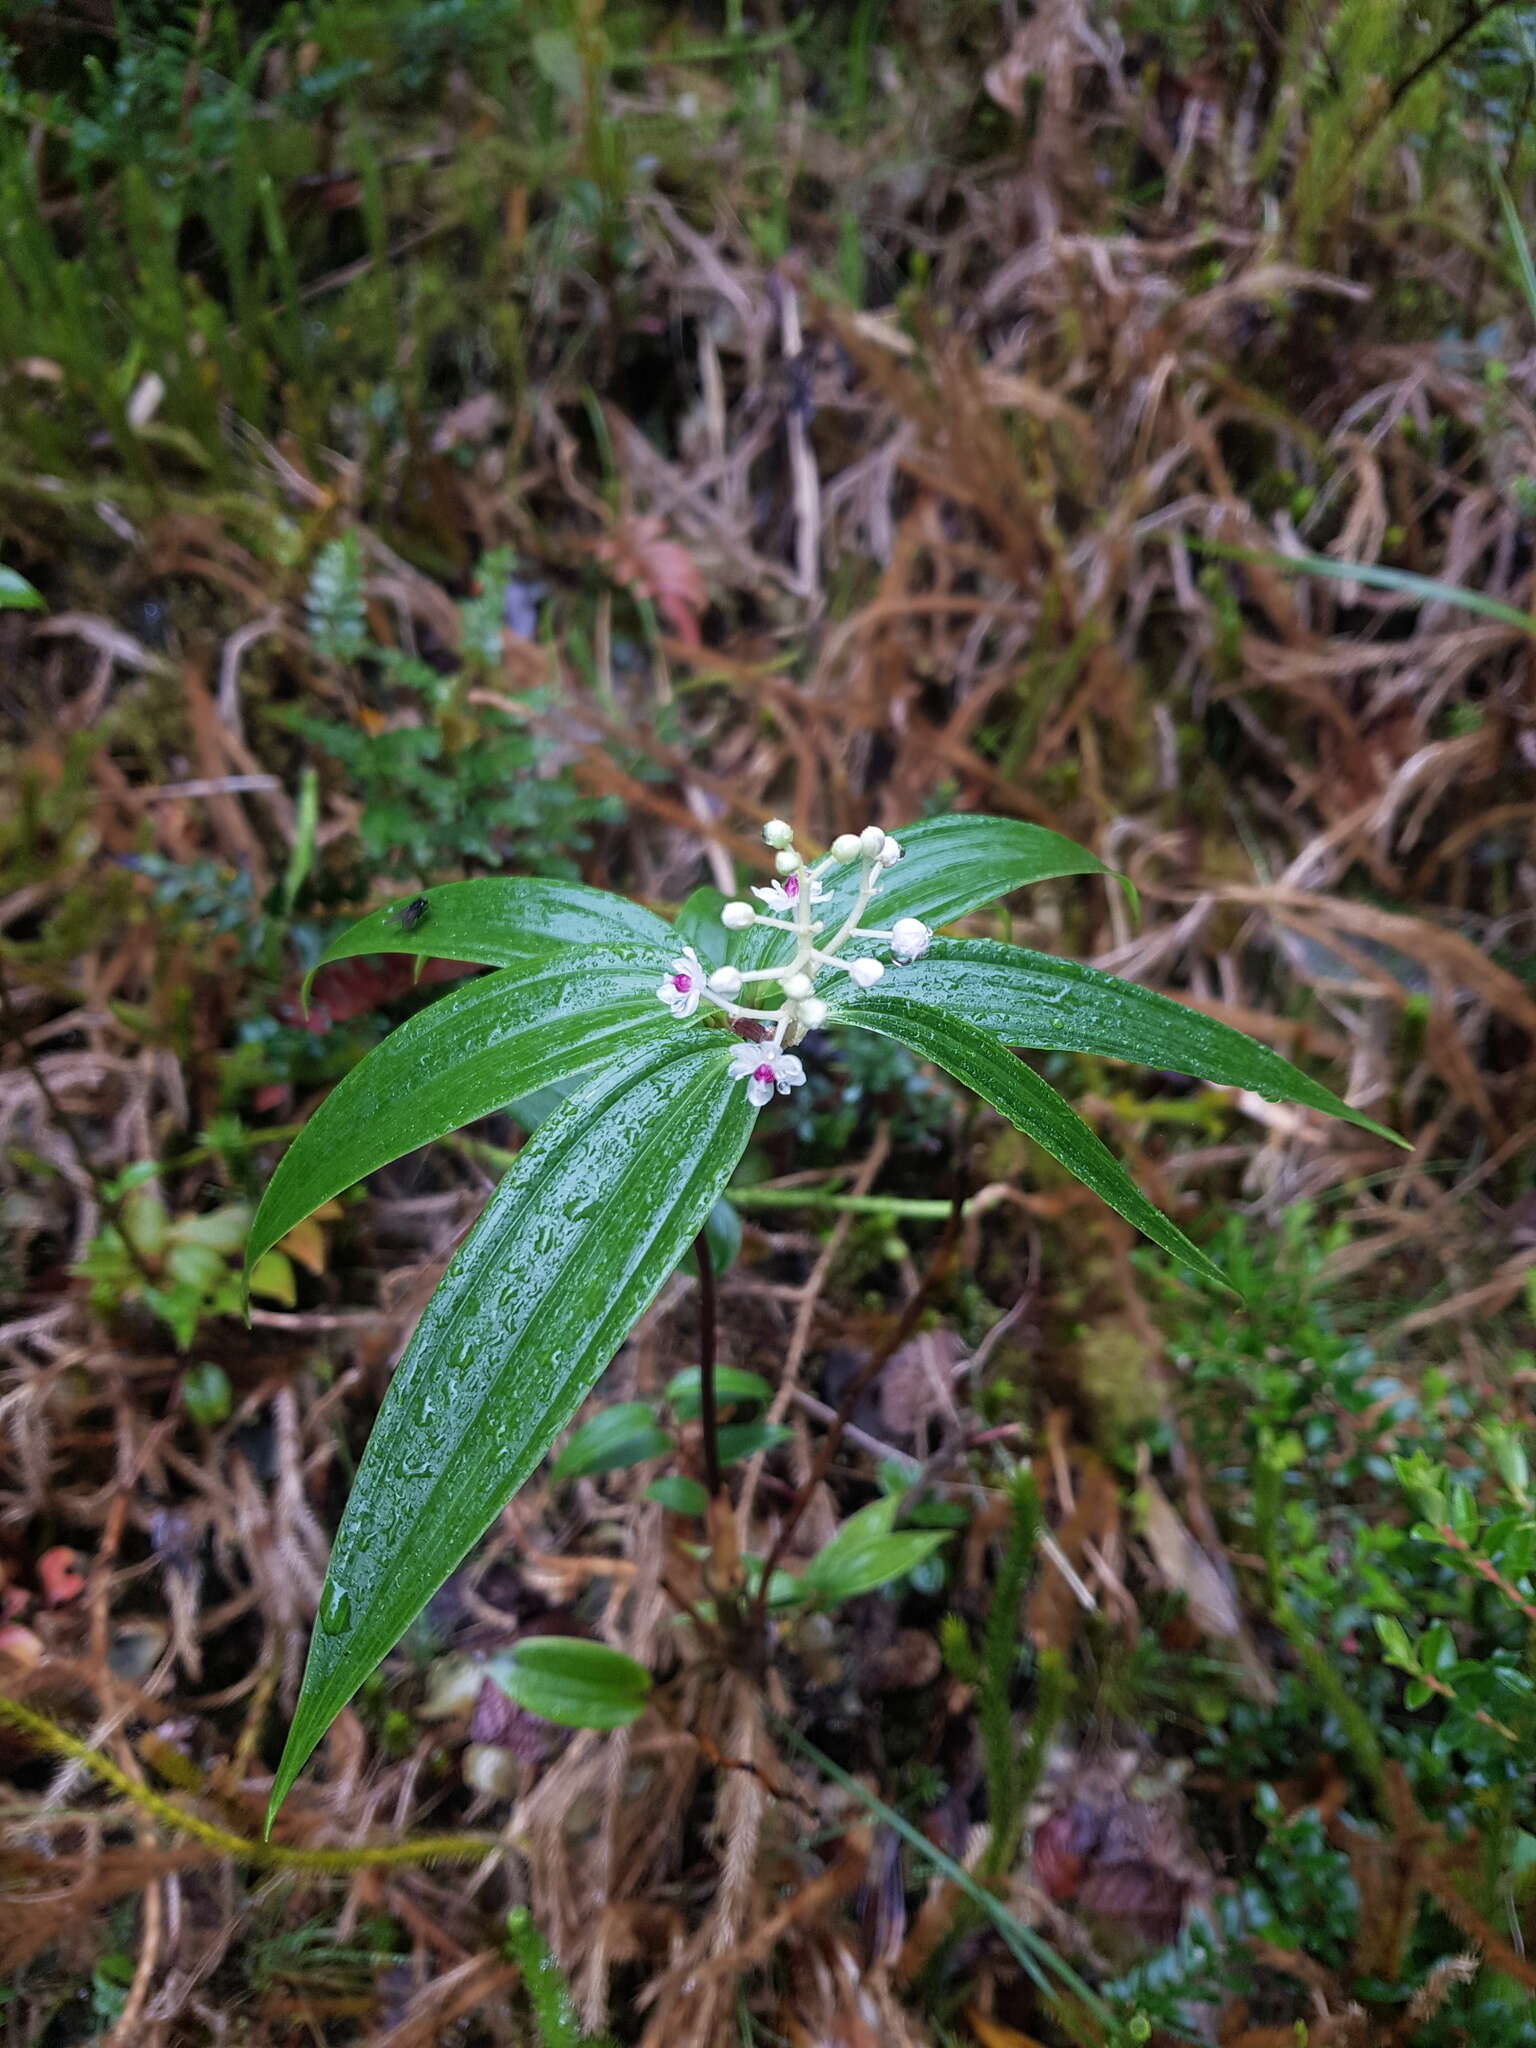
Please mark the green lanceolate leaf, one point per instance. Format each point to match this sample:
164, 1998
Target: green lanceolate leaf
17, 594
698, 925
472, 1052
866, 1553
500, 921
1050, 1005
948, 866
998, 1076
572, 1246
572, 1682
678, 1494
738, 1440
734, 1387
626, 1434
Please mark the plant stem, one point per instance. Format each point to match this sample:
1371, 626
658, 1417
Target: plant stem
708, 1422
917, 1208
857, 1386
56, 1741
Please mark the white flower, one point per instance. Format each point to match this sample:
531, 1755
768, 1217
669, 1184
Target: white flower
846, 846
910, 939
872, 841
737, 916
786, 862
782, 897
778, 833
681, 987
797, 987
890, 853
812, 1013
765, 1068
865, 972
726, 981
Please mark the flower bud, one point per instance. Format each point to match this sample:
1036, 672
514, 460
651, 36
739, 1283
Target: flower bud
846, 846
787, 861
737, 916
726, 981
890, 853
865, 972
909, 939
812, 1012
872, 842
797, 987
778, 833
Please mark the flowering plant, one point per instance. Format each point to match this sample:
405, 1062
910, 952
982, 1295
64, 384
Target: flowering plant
663, 1081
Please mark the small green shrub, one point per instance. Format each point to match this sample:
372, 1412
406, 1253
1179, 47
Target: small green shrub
444, 784
1392, 1524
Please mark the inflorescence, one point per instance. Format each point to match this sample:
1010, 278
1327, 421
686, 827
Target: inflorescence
789, 905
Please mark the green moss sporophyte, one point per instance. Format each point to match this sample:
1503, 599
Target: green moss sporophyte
659, 1044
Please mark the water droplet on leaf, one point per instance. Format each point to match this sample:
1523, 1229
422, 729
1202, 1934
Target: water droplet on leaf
336, 1610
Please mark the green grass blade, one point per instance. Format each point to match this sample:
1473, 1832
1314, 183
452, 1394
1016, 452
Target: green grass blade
1052, 1977
1423, 589
1517, 241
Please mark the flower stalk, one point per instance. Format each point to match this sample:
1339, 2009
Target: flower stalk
789, 903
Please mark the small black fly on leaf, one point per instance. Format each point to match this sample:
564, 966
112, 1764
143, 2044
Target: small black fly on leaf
409, 915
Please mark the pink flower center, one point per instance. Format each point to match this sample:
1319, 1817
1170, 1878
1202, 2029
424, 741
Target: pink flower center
792, 887
763, 1073
682, 983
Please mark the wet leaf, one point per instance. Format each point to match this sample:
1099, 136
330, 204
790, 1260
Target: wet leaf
472, 1052
948, 866
979, 1063
574, 1243
1030, 999
501, 921
572, 1682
